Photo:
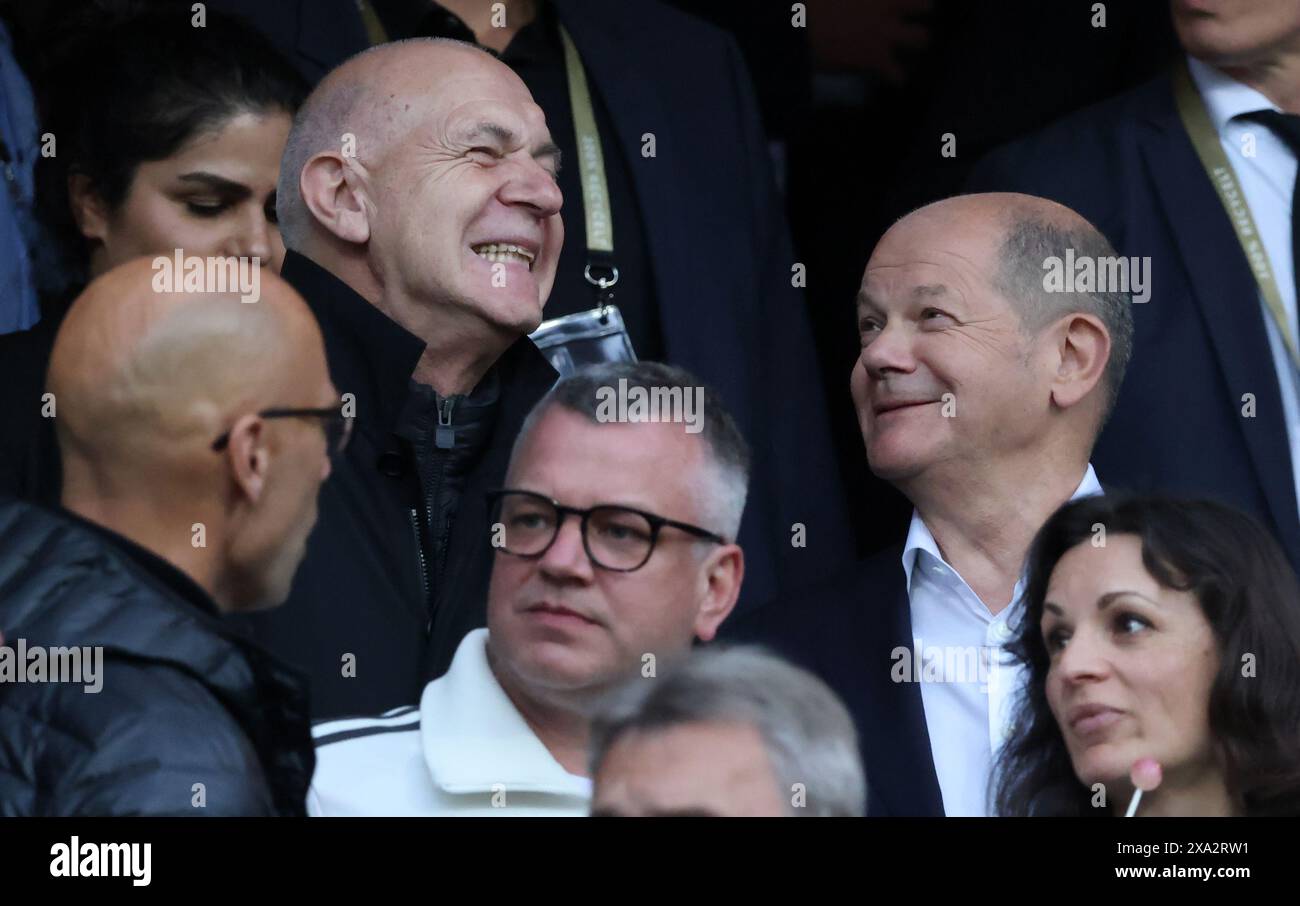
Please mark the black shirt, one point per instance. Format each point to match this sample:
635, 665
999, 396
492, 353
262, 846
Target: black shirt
536, 54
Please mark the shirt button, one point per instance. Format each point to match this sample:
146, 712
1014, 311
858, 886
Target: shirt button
1002, 632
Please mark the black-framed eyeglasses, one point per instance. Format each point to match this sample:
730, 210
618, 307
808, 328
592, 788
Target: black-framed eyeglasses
337, 426
616, 538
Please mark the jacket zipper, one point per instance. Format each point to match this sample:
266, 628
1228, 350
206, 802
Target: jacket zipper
444, 439
419, 549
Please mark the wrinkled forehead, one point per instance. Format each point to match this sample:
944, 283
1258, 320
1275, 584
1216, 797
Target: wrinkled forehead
456, 98
919, 259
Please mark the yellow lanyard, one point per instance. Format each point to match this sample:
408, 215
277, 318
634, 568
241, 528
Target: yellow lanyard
591, 160
1196, 120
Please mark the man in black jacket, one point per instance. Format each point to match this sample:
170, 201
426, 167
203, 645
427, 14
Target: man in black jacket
418, 200
190, 428
708, 278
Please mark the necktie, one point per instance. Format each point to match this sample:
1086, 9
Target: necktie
1286, 126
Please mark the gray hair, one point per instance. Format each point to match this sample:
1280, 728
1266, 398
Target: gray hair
329, 111
809, 736
1030, 241
586, 393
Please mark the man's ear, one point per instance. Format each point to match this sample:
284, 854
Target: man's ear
247, 456
724, 570
88, 209
1082, 347
331, 189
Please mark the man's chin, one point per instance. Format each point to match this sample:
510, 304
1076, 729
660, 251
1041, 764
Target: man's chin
894, 465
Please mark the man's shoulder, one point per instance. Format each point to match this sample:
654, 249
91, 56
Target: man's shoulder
1103, 133
831, 613
371, 766
375, 729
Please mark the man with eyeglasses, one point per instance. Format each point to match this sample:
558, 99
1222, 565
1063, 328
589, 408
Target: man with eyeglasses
190, 433
614, 551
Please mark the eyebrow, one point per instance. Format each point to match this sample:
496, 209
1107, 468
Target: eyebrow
507, 138
927, 290
217, 183
1104, 601
924, 291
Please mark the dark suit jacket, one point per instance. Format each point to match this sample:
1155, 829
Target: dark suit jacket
721, 260
361, 587
1128, 166
844, 631
717, 243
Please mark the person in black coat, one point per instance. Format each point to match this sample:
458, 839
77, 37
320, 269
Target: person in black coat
190, 426
708, 280
1209, 407
427, 256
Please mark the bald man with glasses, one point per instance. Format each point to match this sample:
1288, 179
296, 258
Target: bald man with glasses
163, 534
614, 551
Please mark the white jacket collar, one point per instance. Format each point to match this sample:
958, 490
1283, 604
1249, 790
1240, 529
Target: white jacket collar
474, 738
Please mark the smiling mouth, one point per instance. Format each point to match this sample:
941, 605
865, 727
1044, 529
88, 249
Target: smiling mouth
504, 253
895, 407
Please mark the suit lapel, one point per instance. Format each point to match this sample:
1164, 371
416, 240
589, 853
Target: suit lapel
900, 766
1226, 293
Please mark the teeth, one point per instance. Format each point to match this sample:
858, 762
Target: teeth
504, 252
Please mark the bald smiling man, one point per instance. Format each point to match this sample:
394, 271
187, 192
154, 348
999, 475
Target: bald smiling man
980, 394
195, 431
419, 204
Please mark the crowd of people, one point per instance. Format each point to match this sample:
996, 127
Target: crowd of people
325, 364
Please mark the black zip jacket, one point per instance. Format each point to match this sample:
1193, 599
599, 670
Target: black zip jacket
397, 568
181, 716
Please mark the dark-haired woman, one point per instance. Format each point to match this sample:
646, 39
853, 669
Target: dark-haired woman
1156, 629
168, 137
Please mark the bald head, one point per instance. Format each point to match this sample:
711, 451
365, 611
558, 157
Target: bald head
1015, 237
145, 382
142, 376
377, 97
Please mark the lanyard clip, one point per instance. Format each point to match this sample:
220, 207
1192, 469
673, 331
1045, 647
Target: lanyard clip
604, 278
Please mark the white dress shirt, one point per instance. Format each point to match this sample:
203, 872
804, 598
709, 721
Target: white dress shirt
1267, 180
465, 751
968, 682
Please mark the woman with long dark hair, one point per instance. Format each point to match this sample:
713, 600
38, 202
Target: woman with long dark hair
166, 136
1156, 629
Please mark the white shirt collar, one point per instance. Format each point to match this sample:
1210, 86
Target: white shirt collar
475, 738
920, 539
1225, 97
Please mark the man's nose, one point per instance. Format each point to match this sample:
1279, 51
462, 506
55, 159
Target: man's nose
567, 558
530, 184
889, 351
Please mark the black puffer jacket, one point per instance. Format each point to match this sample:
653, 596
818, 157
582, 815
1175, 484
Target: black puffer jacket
183, 701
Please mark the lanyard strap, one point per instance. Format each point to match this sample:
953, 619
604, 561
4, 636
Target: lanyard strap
591, 160
1205, 139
